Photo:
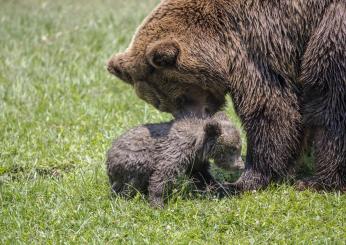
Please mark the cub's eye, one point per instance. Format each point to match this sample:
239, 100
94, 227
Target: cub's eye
151, 69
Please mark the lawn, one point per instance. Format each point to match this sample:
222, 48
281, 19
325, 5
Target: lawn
60, 111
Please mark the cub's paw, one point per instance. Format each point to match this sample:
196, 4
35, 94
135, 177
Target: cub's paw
222, 190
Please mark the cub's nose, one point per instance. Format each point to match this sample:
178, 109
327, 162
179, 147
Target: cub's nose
116, 67
239, 163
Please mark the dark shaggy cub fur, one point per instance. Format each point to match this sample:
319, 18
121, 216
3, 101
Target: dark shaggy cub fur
150, 157
282, 61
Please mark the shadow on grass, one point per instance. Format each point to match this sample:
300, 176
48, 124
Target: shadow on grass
17, 172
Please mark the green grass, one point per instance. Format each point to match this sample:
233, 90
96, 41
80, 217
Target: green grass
60, 110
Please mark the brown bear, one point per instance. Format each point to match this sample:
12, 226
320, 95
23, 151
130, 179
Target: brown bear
149, 158
282, 61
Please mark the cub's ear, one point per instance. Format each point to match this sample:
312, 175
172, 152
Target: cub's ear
212, 130
163, 54
221, 115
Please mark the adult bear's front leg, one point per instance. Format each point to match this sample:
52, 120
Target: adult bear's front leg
274, 137
269, 107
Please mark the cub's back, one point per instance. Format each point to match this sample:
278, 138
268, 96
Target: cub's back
138, 144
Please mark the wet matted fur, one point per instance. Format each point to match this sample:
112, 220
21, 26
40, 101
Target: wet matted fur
149, 158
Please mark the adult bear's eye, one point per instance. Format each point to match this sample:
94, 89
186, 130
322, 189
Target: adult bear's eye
151, 69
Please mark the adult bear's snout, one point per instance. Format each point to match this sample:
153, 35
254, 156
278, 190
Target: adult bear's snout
116, 66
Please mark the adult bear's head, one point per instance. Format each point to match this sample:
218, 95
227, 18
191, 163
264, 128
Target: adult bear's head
178, 60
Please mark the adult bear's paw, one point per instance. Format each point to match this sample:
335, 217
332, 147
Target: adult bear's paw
251, 180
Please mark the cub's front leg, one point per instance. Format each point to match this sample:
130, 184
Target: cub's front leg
161, 182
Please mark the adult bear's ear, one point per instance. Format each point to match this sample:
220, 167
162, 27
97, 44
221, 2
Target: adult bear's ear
212, 130
163, 54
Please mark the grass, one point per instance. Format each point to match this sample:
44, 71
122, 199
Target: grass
60, 110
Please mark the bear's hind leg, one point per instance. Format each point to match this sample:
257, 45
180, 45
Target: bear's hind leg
324, 79
330, 154
128, 186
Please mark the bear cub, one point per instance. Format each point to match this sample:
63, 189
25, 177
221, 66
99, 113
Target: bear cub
149, 158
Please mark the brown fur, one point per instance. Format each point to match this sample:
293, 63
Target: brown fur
282, 61
149, 157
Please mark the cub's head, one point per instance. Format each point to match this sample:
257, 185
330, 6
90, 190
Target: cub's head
177, 59
223, 142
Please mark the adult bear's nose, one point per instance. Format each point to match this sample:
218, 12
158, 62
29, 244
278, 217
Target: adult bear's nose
116, 66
